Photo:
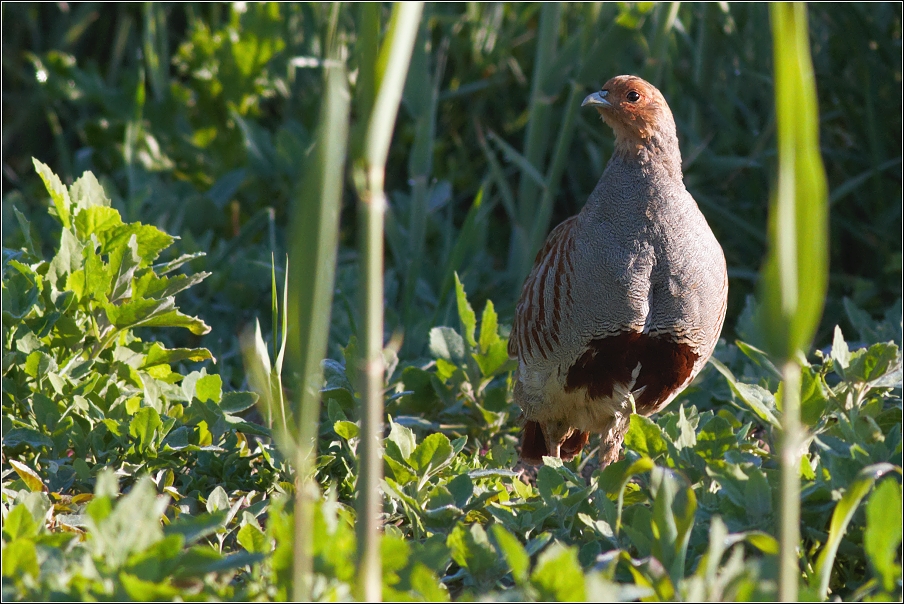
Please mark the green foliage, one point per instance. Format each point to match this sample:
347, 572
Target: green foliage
688, 513
199, 121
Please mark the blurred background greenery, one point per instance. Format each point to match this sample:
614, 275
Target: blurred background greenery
202, 116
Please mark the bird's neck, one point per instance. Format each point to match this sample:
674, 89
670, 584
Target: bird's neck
639, 183
658, 153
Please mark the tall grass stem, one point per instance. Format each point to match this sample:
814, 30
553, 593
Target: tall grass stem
790, 460
314, 236
392, 69
795, 274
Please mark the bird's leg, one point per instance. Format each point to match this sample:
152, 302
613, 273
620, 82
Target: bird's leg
556, 433
611, 439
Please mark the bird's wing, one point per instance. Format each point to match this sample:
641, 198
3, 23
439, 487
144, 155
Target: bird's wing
545, 297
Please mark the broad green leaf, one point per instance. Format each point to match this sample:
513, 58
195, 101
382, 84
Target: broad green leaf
445, 343
489, 328
25, 228
758, 496
764, 542
218, 500
513, 552
645, 437
209, 388
202, 559
96, 219
194, 528
31, 478
870, 366
123, 262
144, 426
97, 277
139, 590
404, 438
158, 355
38, 363
58, 192
445, 369
150, 285
642, 465
20, 293
136, 312
462, 489
760, 400
402, 472
423, 398
688, 435
253, 539
69, 258
471, 549
29, 436
882, 537
841, 355
550, 483
86, 192
558, 576
432, 453
149, 239
131, 526
465, 314
672, 520
19, 524
236, 402
715, 436
814, 397
163, 316
20, 558
844, 511
494, 359
345, 429
425, 584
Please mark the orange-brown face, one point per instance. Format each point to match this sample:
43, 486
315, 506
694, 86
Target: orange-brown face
631, 106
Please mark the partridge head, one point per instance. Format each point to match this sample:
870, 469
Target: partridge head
626, 300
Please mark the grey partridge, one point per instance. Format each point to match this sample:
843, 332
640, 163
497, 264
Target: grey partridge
626, 300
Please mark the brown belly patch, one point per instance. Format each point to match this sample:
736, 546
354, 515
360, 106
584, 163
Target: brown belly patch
665, 366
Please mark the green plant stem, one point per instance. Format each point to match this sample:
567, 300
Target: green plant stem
314, 237
397, 54
556, 168
790, 459
535, 139
420, 169
665, 18
371, 372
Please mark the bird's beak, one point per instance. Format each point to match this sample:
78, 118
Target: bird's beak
598, 99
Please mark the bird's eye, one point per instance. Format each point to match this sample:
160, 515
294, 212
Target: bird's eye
633, 96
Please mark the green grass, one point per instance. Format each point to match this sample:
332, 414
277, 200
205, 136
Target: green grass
208, 123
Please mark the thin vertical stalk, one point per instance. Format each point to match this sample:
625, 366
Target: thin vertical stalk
420, 166
795, 275
130, 143
156, 53
535, 139
665, 19
395, 57
556, 168
314, 235
789, 526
